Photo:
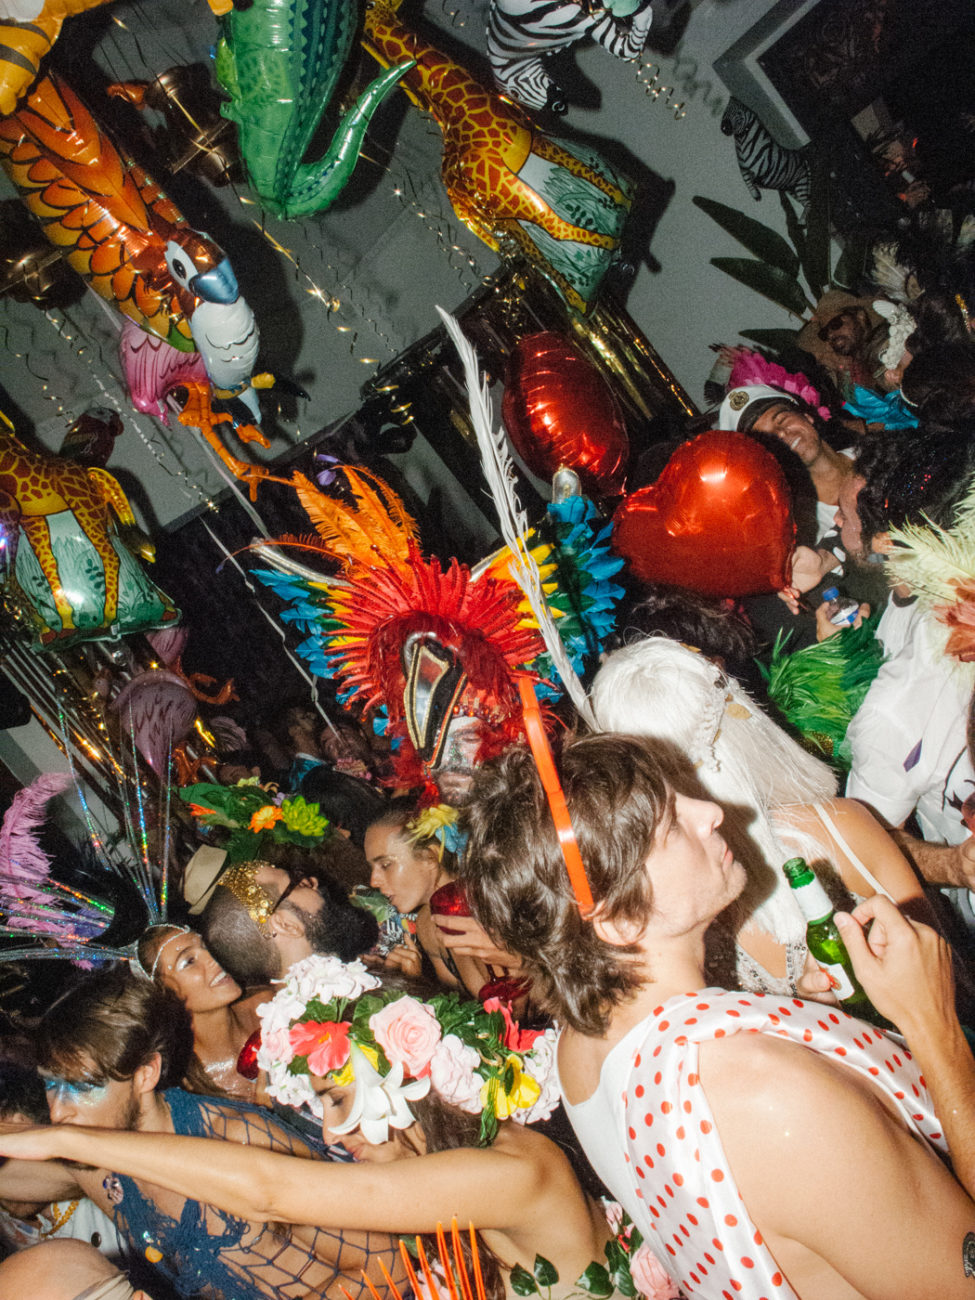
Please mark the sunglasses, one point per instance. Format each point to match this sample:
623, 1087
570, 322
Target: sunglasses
294, 880
834, 323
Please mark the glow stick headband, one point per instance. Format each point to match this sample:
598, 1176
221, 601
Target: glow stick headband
542, 754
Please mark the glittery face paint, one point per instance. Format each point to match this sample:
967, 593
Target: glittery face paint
81, 1092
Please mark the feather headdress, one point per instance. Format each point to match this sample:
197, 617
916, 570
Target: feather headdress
938, 564
396, 628
500, 473
100, 910
25, 868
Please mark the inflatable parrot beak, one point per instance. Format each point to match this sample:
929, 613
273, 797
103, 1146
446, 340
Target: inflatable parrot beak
217, 285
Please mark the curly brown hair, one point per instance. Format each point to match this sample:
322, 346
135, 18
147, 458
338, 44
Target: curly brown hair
619, 789
111, 1023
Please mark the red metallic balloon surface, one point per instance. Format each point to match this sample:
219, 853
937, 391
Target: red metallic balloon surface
717, 520
559, 410
247, 1060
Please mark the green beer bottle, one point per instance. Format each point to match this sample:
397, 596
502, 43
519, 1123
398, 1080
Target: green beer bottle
825, 943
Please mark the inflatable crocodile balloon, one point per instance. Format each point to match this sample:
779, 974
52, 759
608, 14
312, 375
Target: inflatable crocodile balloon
280, 62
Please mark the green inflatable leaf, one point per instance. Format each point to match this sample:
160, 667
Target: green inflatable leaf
816, 248
784, 290
851, 264
767, 244
772, 340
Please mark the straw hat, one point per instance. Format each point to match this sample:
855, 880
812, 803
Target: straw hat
203, 872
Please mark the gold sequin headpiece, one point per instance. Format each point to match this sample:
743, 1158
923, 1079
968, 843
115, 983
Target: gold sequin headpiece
241, 882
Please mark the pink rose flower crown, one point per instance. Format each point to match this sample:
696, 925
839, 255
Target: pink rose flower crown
334, 1019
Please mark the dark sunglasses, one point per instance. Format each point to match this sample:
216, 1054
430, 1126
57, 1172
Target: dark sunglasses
294, 880
834, 323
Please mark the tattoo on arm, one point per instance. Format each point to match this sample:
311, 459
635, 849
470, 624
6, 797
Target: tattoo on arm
968, 1254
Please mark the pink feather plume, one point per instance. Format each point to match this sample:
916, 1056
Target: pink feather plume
23, 863
753, 368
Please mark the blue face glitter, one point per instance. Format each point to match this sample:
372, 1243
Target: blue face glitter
82, 1092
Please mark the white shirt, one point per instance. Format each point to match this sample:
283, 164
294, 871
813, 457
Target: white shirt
908, 736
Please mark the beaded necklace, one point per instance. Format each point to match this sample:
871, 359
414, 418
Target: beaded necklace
61, 1217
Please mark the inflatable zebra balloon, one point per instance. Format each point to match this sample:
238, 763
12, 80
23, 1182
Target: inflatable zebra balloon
521, 33
764, 163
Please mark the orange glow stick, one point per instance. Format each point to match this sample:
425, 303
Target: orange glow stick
542, 754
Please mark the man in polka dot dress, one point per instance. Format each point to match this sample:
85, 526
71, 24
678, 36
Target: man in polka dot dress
765, 1147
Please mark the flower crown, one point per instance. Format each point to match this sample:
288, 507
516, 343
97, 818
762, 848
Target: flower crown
255, 815
333, 1018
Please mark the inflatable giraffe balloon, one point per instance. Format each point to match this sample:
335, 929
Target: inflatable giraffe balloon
59, 542
560, 205
28, 29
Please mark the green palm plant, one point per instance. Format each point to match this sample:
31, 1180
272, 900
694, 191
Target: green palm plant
793, 273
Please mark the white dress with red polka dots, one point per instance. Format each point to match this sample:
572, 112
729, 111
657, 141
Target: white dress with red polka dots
671, 1173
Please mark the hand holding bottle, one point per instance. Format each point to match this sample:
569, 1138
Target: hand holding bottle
815, 985
904, 967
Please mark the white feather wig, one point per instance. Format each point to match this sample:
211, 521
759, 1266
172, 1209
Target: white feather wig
660, 688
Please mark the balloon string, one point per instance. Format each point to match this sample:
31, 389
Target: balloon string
277, 627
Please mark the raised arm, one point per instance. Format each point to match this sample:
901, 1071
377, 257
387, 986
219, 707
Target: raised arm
24, 1180
906, 970
483, 1186
939, 864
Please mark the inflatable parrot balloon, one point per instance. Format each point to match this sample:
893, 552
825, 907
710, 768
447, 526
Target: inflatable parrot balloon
134, 248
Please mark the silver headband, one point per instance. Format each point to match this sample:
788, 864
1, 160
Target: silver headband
177, 931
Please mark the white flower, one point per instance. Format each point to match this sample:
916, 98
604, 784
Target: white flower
290, 1089
539, 1065
326, 977
453, 1073
317, 976
380, 1102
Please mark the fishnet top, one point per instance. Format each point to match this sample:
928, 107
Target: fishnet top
204, 1251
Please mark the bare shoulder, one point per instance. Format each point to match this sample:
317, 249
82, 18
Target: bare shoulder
773, 1099
856, 818
790, 1120
766, 1085
751, 1065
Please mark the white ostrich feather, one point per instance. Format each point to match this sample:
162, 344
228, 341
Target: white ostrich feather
891, 276
499, 471
931, 560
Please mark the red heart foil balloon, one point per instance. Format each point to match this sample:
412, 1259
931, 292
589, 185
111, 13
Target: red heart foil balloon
559, 410
247, 1060
450, 900
718, 520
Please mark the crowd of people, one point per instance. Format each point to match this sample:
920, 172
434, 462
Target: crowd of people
570, 1000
